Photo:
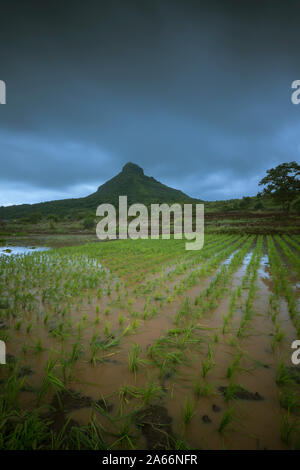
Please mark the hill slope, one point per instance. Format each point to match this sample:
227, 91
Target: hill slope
131, 181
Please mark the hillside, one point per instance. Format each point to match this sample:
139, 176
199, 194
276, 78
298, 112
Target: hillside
131, 181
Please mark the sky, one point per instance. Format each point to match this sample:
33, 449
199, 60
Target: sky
198, 93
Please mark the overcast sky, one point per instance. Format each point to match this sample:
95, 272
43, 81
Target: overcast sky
197, 93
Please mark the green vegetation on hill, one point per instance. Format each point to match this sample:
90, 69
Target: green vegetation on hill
281, 193
130, 182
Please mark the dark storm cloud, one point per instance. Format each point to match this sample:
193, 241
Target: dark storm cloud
197, 93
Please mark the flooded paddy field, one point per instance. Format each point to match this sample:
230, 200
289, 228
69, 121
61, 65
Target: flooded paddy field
139, 344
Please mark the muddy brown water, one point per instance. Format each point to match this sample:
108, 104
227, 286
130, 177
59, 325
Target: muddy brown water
255, 423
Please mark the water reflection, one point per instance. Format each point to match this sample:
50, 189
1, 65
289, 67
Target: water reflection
21, 250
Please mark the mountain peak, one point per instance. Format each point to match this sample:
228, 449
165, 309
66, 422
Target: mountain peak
130, 182
132, 168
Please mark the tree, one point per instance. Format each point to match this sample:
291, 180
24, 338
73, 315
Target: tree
296, 205
245, 202
258, 205
283, 183
88, 223
53, 217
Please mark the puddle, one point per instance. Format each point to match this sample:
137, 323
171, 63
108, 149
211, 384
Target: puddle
296, 286
21, 250
264, 268
228, 260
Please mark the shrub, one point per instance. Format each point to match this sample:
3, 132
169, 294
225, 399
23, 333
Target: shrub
88, 223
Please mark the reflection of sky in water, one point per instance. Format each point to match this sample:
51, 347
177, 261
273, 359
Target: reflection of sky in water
263, 269
247, 259
227, 262
296, 286
20, 250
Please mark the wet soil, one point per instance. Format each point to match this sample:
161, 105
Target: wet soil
256, 400
156, 426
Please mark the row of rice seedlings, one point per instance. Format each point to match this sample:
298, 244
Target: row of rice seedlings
150, 312
289, 400
234, 366
206, 268
291, 241
23, 290
281, 282
146, 314
167, 359
178, 266
208, 363
63, 334
51, 382
126, 258
293, 259
191, 279
208, 251
227, 318
274, 309
252, 269
62, 331
288, 428
208, 299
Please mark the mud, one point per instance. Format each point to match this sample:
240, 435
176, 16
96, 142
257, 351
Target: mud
155, 424
71, 400
256, 403
241, 393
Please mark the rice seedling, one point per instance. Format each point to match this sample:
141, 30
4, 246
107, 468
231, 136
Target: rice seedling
226, 420
283, 376
50, 381
233, 341
206, 366
188, 411
107, 328
134, 361
202, 389
94, 351
278, 337
289, 399
234, 366
38, 346
287, 428
124, 437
